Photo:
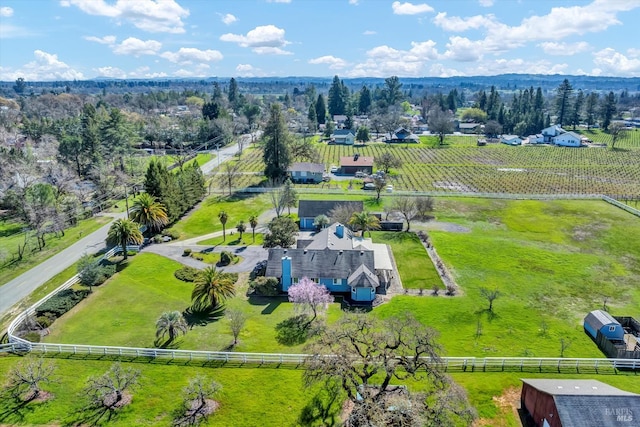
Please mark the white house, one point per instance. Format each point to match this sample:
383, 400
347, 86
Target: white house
551, 132
536, 139
511, 139
343, 136
568, 139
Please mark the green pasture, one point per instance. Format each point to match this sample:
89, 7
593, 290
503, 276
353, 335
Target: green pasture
630, 139
11, 236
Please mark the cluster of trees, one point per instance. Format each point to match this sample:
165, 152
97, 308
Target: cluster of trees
105, 395
575, 108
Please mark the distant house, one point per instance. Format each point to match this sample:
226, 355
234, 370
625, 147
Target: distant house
577, 403
335, 258
343, 136
308, 210
510, 139
536, 139
600, 320
355, 164
306, 172
402, 135
469, 127
567, 139
339, 119
551, 132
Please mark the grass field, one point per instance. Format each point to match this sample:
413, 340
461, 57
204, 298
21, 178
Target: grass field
496, 168
11, 236
205, 220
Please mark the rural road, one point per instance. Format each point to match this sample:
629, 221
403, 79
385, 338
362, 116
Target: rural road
15, 290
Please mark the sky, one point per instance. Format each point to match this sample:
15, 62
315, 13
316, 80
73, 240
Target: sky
142, 39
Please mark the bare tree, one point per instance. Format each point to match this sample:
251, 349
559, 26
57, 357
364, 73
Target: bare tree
440, 122
490, 295
407, 207
342, 213
230, 173
564, 345
386, 161
198, 401
27, 377
237, 319
617, 131
424, 206
108, 391
278, 197
379, 184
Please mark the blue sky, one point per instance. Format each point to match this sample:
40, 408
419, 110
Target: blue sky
82, 39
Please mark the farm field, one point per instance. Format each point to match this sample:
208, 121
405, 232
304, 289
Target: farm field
495, 168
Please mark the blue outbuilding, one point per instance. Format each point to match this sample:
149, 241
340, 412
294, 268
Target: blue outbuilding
600, 320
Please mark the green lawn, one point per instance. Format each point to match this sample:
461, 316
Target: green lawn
247, 239
124, 311
415, 267
204, 220
9, 242
276, 396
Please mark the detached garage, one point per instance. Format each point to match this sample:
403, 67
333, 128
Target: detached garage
600, 320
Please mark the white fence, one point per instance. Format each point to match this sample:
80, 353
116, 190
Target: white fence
621, 205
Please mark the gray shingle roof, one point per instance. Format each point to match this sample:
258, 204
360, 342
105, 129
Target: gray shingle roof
307, 167
363, 278
598, 411
576, 387
313, 208
319, 263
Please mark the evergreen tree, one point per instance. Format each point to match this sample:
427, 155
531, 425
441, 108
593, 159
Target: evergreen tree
277, 157
233, 93
117, 136
590, 108
577, 109
336, 99
211, 110
321, 110
312, 116
392, 90
563, 102
364, 102
608, 110
90, 135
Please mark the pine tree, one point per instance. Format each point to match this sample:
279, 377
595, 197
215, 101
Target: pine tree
312, 116
364, 103
321, 110
233, 93
608, 110
590, 108
577, 109
277, 157
563, 102
336, 100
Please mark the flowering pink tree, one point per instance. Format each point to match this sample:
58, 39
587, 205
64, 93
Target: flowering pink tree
308, 296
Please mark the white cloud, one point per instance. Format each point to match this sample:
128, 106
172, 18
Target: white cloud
384, 61
369, 33
188, 55
633, 52
109, 40
200, 71
278, 1
6, 11
266, 39
229, 19
330, 60
8, 31
354, 2
564, 49
439, 70
111, 72
486, 3
155, 16
410, 8
464, 50
248, 70
613, 63
457, 24
137, 47
45, 66
515, 66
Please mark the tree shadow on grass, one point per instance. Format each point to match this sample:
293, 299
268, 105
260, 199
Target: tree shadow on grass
12, 408
270, 303
167, 344
293, 331
491, 315
323, 409
202, 317
90, 416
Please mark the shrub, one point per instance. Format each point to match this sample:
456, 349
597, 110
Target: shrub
92, 273
157, 238
170, 233
60, 303
451, 290
266, 286
186, 252
231, 277
44, 321
226, 258
197, 256
32, 336
186, 274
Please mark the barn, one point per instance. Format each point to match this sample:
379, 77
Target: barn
577, 403
600, 320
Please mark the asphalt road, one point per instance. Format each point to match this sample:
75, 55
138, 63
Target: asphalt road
14, 291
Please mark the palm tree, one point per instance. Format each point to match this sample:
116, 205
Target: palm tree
223, 217
123, 232
171, 323
147, 211
253, 222
241, 228
364, 221
210, 289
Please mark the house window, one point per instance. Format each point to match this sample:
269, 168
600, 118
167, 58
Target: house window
294, 280
612, 328
337, 282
